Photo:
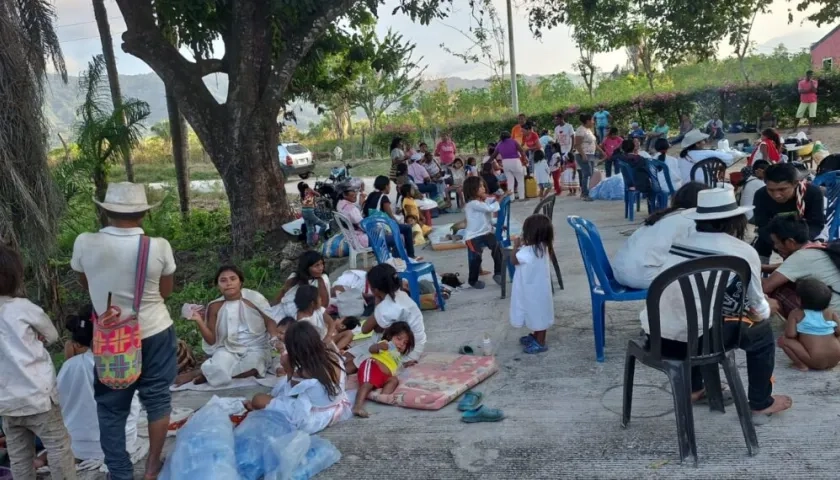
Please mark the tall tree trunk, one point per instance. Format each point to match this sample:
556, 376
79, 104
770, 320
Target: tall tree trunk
180, 150
101, 14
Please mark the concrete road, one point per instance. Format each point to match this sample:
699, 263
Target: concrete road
563, 408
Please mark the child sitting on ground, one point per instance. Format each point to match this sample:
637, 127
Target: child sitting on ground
280, 347
416, 230
811, 334
29, 397
569, 177
311, 395
343, 335
410, 208
380, 370
308, 303
471, 168
479, 234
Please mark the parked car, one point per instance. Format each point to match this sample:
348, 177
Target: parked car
295, 159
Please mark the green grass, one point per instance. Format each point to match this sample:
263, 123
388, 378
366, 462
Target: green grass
164, 172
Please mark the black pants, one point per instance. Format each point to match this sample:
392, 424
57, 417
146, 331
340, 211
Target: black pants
475, 248
757, 342
610, 166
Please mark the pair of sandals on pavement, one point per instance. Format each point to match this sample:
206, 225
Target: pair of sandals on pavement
475, 412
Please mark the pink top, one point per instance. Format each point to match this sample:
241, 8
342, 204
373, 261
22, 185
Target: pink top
811, 95
611, 145
446, 152
354, 214
418, 173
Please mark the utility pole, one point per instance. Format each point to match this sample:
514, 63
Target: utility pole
514, 93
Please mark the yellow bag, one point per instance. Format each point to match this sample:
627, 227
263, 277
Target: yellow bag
531, 190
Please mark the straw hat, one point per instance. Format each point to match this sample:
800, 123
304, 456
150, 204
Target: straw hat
692, 137
716, 203
125, 197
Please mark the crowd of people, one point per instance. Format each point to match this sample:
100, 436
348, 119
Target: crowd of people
122, 351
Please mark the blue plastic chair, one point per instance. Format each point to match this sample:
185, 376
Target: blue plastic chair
831, 182
602, 284
503, 230
662, 198
377, 228
634, 197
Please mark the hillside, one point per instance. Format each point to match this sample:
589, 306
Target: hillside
63, 100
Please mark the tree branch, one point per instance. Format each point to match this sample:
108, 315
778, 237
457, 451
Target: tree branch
310, 29
212, 65
144, 40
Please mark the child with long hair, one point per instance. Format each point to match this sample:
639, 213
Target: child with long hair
29, 397
310, 271
479, 211
531, 301
309, 309
811, 333
393, 305
569, 177
380, 370
662, 146
312, 395
769, 148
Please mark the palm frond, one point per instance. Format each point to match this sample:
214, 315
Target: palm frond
36, 21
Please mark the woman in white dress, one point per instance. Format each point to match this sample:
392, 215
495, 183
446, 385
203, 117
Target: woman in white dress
642, 256
312, 395
310, 271
694, 151
237, 332
531, 301
75, 394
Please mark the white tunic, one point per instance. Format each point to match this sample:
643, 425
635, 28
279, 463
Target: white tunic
541, 172
531, 301
307, 405
75, 392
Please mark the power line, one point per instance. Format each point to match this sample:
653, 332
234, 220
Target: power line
84, 23
89, 38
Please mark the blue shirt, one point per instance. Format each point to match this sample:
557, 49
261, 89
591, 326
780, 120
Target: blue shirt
638, 133
545, 140
602, 118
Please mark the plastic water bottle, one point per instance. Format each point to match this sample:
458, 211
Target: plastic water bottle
487, 346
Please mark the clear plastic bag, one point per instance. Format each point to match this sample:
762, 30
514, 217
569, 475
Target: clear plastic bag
203, 448
321, 455
268, 446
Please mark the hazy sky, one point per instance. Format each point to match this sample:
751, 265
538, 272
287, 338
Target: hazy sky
555, 52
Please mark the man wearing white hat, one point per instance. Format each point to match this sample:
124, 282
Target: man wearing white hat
107, 262
721, 224
694, 151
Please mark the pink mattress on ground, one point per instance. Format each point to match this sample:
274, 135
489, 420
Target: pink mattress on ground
436, 380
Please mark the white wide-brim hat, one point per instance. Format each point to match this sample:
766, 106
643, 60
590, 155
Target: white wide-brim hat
125, 197
692, 137
716, 203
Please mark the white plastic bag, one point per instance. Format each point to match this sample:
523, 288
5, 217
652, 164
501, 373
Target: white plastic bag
350, 302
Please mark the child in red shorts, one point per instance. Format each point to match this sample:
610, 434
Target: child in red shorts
380, 370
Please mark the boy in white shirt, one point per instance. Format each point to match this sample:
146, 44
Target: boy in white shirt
28, 394
479, 234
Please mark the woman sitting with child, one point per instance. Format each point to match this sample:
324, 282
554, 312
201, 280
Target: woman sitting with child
312, 395
236, 332
310, 271
75, 393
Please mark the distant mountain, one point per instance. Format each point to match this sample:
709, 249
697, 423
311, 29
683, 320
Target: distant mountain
63, 100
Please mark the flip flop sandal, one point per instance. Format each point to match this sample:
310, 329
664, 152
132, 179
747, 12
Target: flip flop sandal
534, 347
466, 350
471, 401
483, 414
526, 340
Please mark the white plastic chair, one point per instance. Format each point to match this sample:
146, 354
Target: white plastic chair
349, 232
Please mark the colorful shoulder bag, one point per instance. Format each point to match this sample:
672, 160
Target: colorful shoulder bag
117, 346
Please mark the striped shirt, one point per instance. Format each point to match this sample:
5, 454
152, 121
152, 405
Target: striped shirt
672, 311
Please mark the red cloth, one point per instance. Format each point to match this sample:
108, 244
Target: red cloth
773, 154
446, 152
370, 372
558, 186
532, 141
